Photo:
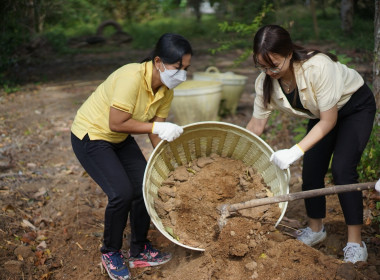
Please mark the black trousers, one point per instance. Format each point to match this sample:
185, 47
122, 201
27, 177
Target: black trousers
119, 170
346, 142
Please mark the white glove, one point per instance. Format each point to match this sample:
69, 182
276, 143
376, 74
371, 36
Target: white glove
377, 186
166, 130
284, 158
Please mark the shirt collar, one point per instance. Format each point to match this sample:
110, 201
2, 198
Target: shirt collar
148, 82
148, 76
299, 73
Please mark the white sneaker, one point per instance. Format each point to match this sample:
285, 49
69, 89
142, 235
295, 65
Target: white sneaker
353, 252
309, 237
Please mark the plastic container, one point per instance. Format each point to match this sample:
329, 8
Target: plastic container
232, 87
196, 101
201, 140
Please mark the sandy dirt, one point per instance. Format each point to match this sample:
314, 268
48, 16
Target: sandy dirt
51, 217
188, 202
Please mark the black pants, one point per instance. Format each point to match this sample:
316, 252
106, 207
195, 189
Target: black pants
119, 170
346, 142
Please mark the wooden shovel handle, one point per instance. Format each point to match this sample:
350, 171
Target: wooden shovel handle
301, 195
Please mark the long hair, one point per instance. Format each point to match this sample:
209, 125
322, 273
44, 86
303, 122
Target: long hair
170, 48
275, 39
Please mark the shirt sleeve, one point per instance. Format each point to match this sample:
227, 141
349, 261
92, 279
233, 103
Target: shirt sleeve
259, 111
327, 86
125, 92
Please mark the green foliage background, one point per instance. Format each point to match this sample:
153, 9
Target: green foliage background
22, 22
25, 23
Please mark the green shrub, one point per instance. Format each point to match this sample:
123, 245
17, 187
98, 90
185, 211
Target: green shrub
343, 58
145, 35
299, 130
57, 39
10, 87
376, 216
297, 19
240, 35
369, 166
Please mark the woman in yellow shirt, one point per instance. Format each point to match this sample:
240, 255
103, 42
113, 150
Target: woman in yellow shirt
135, 99
341, 108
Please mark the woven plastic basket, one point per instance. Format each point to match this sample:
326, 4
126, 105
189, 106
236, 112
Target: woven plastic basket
196, 101
232, 87
201, 140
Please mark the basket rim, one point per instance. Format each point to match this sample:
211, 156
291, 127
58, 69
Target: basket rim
242, 129
222, 76
158, 148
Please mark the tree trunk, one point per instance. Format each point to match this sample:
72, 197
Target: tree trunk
315, 23
196, 5
376, 63
222, 10
324, 5
35, 16
347, 15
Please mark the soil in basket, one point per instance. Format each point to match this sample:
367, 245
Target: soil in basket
248, 246
187, 203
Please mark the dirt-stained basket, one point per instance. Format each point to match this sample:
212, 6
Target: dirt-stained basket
201, 140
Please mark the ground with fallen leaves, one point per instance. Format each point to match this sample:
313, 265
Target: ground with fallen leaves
51, 212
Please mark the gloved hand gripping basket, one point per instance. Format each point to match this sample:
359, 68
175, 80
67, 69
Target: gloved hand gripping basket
201, 140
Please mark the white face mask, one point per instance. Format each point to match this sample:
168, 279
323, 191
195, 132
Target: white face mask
172, 77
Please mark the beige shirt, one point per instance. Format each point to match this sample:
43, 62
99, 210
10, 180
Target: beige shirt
322, 83
127, 89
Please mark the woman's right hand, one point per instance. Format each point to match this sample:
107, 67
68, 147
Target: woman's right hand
166, 130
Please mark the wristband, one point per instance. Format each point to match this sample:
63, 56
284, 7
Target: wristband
300, 148
153, 126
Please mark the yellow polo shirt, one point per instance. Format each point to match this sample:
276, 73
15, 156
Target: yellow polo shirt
127, 89
322, 83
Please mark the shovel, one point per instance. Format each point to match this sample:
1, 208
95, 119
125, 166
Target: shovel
227, 209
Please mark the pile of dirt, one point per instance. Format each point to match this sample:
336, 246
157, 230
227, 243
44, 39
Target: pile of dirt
248, 246
268, 255
189, 198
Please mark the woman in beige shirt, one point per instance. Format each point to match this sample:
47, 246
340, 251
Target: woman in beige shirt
340, 108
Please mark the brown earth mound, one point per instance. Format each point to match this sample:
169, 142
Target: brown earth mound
188, 200
248, 246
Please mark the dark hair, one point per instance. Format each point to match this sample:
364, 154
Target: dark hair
170, 48
275, 39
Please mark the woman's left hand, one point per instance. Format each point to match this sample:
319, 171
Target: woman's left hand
284, 158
